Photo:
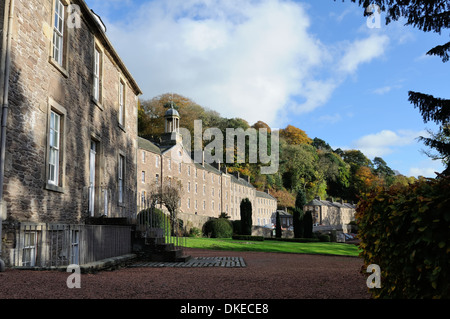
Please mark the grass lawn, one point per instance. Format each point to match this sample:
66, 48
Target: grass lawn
273, 246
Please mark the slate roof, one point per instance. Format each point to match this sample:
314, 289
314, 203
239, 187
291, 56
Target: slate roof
319, 202
148, 146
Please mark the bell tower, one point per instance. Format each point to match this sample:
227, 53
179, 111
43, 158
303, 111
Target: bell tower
171, 134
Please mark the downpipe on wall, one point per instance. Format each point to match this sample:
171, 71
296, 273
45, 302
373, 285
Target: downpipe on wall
6, 55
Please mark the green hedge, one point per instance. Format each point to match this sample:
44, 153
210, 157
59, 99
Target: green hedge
158, 219
218, 228
247, 237
296, 240
406, 231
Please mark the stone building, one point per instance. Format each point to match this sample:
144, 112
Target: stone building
71, 127
207, 189
331, 213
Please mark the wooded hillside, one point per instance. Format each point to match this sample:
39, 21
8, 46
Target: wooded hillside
306, 163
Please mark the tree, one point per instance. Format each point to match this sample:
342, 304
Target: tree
278, 226
383, 170
168, 194
432, 15
295, 136
300, 202
246, 217
299, 164
307, 225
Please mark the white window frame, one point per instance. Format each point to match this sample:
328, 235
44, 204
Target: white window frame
121, 176
121, 102
29, 248
98, 65
54, 148
58, 32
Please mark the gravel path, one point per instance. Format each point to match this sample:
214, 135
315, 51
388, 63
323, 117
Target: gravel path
266, 276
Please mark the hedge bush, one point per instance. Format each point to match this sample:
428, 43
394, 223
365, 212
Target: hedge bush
324, 238
406, 231
296, 240
247, 237
218, 228
158, 219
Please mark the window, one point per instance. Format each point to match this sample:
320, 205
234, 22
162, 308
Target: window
204, 189
179, 167
157, 161
29, 249
55, 159
170, 164
196, 187
54, 143
121, 103
75, 247
143, 157
121, 169
189, 171
98, 62
189, 187
143, 177
58, 32
157, 178
204, 205
189, 203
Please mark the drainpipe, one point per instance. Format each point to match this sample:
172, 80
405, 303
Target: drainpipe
6, 53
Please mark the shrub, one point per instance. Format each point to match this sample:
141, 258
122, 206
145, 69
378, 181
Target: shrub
247, 237
278, 226
236, 227
218, 228
195, 232
157, 219
406, 231
324, 238
307, 225
246, 217
300, 202
296, 240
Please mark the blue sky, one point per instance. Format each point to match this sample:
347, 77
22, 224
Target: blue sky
316, 65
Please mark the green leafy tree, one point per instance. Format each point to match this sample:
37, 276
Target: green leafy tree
278, 225
300, 202
307, 225
427, 16
246, 217
383, 170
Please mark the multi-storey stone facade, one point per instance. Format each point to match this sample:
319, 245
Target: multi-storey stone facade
207, 190
71, 134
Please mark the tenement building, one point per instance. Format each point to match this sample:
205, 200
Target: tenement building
70, 135
207, 190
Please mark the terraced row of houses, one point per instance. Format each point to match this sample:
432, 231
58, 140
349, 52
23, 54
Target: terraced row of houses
73, 170
207, 189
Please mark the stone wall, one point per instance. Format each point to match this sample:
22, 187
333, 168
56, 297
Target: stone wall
38, 85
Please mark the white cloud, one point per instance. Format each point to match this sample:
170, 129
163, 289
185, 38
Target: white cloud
386, 142
426, 168
251, 59
363, 51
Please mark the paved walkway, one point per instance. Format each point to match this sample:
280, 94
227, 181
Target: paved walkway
198, 262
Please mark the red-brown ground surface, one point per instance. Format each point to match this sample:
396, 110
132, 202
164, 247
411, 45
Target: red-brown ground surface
267, 276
